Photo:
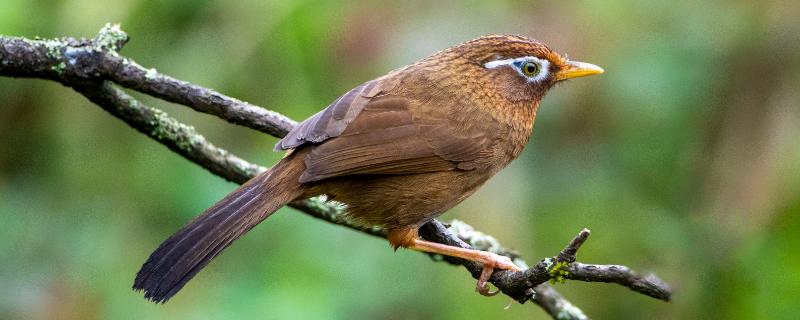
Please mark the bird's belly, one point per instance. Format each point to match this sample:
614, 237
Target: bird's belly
398, 201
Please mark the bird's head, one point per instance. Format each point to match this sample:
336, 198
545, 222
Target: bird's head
517, 68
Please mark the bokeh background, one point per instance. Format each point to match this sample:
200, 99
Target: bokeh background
683, 159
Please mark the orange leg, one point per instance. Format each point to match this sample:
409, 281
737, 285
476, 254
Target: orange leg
408, 238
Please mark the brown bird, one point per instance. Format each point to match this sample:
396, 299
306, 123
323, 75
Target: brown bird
398, 150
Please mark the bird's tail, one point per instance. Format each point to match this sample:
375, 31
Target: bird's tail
186, 252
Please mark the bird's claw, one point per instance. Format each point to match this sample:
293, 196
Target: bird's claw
483, 286
496, 261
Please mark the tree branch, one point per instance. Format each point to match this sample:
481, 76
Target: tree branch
92, 67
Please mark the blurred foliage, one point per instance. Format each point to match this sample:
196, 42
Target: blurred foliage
682, 159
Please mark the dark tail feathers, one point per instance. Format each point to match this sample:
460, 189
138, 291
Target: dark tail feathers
186, 252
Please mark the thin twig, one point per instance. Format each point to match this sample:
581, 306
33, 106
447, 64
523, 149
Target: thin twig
568, 254
648, 284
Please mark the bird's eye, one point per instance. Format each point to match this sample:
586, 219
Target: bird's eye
530, 68
533, 69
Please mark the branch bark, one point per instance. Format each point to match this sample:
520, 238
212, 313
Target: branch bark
94, 68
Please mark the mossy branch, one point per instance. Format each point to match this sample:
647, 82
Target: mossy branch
94, 68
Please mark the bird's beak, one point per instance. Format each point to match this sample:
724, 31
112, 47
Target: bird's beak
575, 69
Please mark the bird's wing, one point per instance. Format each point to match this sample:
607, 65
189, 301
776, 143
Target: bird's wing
382, 137
331, 121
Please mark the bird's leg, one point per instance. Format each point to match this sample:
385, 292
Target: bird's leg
408, 238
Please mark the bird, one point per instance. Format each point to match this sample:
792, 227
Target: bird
398, 151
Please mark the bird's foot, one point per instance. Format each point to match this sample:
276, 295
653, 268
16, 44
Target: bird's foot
490, 262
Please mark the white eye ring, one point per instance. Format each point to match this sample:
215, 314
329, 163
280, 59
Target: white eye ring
518, 63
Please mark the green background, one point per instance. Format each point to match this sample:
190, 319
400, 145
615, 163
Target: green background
683, 159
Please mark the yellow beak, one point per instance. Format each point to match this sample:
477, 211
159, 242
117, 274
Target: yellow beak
576, 69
